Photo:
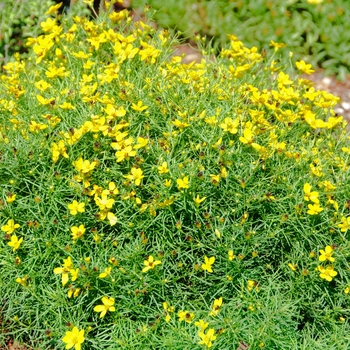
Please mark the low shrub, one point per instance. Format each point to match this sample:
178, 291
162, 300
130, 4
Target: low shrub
148, 203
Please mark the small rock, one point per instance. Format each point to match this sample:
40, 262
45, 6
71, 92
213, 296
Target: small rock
326, 80
339, 110
191, 57
345, 105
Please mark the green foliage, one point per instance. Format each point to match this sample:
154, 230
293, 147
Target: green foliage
190, 205
318, 34
18, 21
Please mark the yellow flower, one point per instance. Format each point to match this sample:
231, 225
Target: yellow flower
344, 225
185, 316
112, 189
150, 263
112, 218
211, 120
74, 274
42, 85
84, 166
201, 324
314, 2
77, 232
208, 262
141, 142
223, 172
178, 123
74, 338
73, 292
10, 198
54, 72
168, 309
117, 16
231, 256
248, 137
218, 143
207, 338
48, 25
230, 125
314, 209
64, 270
182, 183
251, 285
304, 68
283, 79
216, 307
104, 203
293, 267
328, 186
310, 196
105, 273
217, 233
163, 169
10, 226
136, 176
166, 306
327, 273
66, 105
57, 150
52, 9
215, 179
167, 183
36, 127
326, 254
107, 305
199, 200
81, 54
90, 3
22, 281
125, 153
15, 242
139, 107
113, 112
76, 207
277, 46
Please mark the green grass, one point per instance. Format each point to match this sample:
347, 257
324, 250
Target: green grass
216, 166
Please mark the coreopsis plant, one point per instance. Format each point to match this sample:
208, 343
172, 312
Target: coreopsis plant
168, 204
74, 338
107, 305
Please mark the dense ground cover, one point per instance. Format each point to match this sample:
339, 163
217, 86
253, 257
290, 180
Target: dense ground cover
147, 203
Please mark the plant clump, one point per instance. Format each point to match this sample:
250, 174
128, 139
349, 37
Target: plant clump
148, 202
